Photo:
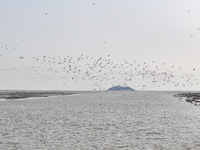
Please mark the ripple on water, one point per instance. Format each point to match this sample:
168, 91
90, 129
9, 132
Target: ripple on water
101, 120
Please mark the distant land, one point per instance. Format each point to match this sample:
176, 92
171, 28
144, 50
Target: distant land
27, 94
120, 88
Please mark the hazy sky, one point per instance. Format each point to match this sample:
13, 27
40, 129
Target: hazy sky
147, 33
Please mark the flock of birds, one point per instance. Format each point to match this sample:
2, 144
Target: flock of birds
100, 73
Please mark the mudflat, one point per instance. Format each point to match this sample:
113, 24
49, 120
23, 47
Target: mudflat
27, 94
193, 97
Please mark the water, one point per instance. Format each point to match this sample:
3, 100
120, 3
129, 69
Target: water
100, 120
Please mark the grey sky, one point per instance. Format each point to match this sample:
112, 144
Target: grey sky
144, 31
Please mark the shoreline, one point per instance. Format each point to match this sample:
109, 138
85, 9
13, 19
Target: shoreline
190, 97
12, 95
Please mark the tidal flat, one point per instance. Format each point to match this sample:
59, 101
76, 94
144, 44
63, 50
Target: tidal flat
27, 94
191, 97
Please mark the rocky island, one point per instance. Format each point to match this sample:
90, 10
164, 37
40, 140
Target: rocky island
120, 88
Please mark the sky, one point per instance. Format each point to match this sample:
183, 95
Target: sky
97, 44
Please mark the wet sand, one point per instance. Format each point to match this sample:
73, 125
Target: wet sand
28, 94
193, 98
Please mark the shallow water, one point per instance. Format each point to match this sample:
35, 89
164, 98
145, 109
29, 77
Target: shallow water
100, 120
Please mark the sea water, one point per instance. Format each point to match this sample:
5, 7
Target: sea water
100, 120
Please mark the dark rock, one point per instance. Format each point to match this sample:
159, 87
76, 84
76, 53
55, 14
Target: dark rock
193, 98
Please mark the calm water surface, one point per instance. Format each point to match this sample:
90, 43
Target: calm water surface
100, 120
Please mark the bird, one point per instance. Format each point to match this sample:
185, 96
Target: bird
103, 71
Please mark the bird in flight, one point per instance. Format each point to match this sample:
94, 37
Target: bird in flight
45, 13
21, 57
93, 3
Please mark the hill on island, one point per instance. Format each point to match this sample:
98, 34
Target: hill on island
120, 88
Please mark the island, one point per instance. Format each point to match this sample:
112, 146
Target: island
120, 88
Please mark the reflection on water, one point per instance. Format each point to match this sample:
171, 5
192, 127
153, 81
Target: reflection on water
101, 120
